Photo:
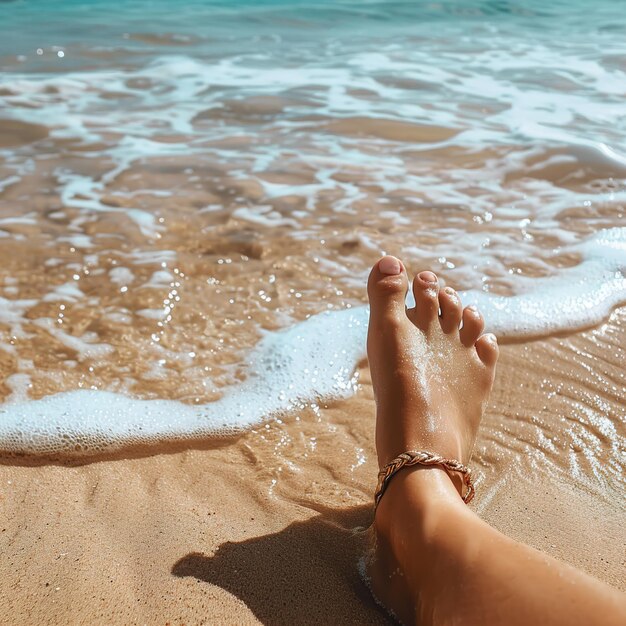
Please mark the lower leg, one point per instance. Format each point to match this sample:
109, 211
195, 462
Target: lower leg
455, 568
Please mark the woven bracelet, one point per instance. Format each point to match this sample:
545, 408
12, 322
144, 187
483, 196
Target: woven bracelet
427, 459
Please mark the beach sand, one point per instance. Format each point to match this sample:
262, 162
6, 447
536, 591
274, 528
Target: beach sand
269, 527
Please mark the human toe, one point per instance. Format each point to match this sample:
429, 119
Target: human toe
426, 292
473, 325
451, 310
487, 349
386, 287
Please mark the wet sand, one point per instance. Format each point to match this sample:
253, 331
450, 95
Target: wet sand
268, 528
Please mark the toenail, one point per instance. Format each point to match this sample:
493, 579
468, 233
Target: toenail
450, 291
390, 265
428, 277
472, 308
491, 338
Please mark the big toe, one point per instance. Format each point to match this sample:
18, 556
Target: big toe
426, 292
386, 289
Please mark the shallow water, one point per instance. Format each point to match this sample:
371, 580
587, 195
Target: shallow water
175, 185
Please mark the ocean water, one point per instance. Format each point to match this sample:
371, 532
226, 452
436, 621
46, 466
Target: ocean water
191, 196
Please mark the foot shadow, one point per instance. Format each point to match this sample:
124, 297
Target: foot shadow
305, 574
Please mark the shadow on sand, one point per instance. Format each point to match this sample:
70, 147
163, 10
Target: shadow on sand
305, 574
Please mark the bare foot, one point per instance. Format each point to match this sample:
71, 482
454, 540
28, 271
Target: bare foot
431, 380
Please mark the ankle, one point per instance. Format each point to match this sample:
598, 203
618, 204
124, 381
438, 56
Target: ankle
413, 505
413, 516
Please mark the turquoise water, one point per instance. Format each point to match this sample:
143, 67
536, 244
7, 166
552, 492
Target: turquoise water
291, 26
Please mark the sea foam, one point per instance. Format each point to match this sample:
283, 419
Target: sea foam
310, 362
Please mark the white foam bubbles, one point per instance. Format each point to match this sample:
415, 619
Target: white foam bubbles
308, 362
578, 297
311, 361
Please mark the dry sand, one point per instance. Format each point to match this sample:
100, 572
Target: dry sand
267, 528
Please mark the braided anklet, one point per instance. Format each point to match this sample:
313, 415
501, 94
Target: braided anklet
428, 459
